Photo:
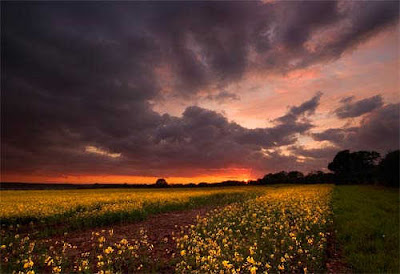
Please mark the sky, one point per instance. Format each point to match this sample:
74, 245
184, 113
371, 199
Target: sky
127, 92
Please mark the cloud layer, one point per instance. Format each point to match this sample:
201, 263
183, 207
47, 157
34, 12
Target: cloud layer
350, 109
379, 130
86, 75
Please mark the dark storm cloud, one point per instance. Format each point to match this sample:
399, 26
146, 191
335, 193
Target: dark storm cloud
84, 74
349, 108
205, 138
365, 19
334, 135
305, 108
379, 130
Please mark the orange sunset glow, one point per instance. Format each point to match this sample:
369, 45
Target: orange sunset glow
239, 175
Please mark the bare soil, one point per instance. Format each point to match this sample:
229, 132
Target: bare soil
335, 261
159, 228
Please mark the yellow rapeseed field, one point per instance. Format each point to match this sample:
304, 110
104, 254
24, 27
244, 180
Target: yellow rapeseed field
44, 203
283, 230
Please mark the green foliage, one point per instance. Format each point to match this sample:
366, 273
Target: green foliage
367, 224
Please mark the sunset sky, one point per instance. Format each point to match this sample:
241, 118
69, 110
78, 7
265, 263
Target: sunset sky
193, 91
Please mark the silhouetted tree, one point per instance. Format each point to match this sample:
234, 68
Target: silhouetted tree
356, 167
275, 178
161, 183
389, 169
341, 163
318, 177
295, 177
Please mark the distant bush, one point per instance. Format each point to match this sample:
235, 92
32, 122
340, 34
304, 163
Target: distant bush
161, 183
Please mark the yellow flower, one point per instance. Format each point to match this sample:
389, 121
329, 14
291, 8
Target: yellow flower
108, 250
253, 270
183, 252
57, 269
250, 260
28, 264
226, 264
300, 250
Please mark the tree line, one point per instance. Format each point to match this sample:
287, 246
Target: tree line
359, 167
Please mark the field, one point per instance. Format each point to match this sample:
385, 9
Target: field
272, 229
85, 208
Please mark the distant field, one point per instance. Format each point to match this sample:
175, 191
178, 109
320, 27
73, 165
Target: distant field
104, 206
367, 223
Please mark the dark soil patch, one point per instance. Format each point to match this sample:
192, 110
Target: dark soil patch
335, 261
160, 230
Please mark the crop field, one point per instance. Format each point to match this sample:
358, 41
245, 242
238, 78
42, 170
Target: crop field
284, 230
272, 229
80, 208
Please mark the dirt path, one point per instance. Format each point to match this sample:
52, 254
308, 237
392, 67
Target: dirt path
335, 263
158, 226
159, 230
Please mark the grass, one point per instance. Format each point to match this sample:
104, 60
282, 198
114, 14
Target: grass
367, 223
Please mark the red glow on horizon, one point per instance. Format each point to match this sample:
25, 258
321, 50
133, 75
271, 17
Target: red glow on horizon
117, 179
